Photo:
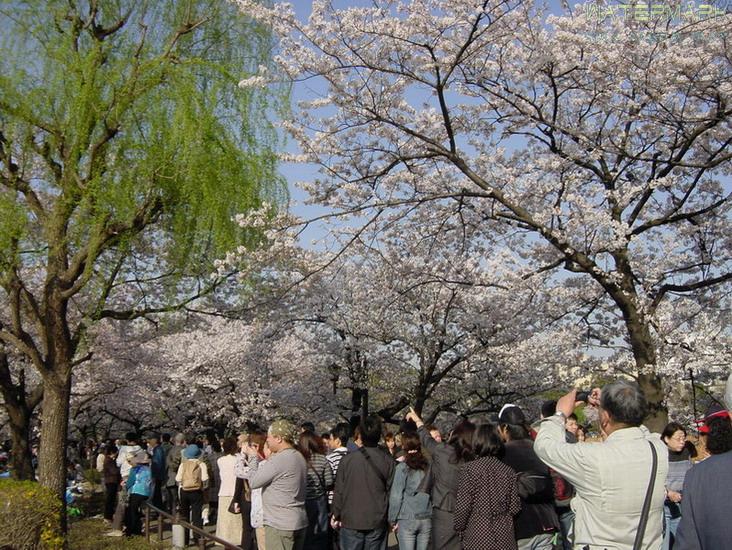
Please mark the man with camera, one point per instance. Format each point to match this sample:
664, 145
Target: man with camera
619, 483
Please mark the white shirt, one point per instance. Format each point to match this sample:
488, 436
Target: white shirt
611, 479
227, 463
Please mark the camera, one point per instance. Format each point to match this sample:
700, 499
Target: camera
583, 395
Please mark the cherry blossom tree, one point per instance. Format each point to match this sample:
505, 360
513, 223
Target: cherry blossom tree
414, 321
591, 148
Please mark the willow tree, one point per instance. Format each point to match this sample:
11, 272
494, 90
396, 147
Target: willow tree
126, 147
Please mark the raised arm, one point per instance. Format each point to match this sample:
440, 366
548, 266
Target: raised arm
261, 475
570, 461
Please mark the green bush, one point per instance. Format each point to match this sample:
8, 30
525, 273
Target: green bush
29, 516
92, 475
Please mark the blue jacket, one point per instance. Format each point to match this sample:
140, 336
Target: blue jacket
140, 481
405, 502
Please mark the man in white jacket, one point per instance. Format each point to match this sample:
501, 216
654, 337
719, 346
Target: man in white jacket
611, 479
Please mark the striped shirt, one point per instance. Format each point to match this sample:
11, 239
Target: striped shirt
320, 477
334, 459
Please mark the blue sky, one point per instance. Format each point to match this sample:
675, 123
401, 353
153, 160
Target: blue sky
299, 172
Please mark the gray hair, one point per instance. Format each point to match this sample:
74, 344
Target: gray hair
179, 439
624, 402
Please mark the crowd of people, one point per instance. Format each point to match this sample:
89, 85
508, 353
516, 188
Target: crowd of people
498, 485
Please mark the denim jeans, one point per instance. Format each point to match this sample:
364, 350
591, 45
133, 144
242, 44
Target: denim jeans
670, 525
539, 542
373, 539
414, 534
566, 522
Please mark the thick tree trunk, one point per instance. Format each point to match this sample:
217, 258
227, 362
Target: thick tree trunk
644, 353
20, 423
641, 342
54, 433
19, 406
652, 387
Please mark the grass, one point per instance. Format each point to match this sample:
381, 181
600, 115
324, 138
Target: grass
88, 534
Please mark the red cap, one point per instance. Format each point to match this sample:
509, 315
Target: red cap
715, 411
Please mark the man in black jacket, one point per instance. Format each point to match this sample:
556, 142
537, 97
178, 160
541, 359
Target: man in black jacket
361, 494
536, 524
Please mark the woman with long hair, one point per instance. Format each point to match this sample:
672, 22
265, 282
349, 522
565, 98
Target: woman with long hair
410, 510
442, 481
319, 482
487, 496
228, 524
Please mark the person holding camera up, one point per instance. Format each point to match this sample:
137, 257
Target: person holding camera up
619, 483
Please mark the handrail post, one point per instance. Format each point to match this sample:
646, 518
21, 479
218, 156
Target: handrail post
204, 537
161, 523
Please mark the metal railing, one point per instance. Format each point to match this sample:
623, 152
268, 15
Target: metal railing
204, 537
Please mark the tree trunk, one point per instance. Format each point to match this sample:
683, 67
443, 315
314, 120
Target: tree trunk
54, 433
644, 353
641, 342
20, 423
651, 385
19, 406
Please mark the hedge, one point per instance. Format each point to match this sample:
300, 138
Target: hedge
29, 516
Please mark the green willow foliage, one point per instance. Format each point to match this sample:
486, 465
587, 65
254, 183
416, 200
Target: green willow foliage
115, 108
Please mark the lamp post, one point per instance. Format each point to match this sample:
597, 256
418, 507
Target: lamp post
693, 392
334, 370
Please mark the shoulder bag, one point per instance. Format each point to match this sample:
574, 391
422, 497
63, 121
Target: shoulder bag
647, 502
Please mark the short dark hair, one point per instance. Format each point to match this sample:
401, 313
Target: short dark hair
307, 427
548, 408
572, 417
516, 432
230, 447
165, 438
341, 431
719, 438
670, 429
131, 436
370, 430
487, 442
624, 402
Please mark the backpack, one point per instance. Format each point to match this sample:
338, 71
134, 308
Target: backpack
191, 479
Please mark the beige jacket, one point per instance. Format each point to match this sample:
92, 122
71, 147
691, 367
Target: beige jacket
611, 479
